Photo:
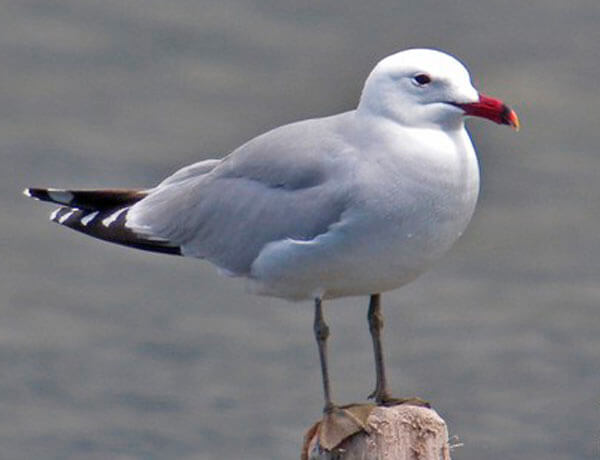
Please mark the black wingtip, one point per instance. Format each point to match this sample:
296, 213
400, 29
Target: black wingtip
53, 195
92, 200
100, 214
37, 193
110, 226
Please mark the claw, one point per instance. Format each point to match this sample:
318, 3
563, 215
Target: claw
341, 422
414, 401
389, 401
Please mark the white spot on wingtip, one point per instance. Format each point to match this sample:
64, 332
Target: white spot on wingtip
65, 216
54, 214
27, 192
87, 219
114, 216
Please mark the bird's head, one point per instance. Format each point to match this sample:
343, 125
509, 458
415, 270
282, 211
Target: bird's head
426, 88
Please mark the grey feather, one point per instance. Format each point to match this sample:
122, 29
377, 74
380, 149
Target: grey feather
191, 171
201, 207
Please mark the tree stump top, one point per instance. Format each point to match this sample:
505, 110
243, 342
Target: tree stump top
402, 432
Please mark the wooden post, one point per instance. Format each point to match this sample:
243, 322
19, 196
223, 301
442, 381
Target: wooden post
402, 432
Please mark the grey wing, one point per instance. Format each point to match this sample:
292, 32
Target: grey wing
265, 192
189, 172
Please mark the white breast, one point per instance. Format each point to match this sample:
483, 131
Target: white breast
407, 210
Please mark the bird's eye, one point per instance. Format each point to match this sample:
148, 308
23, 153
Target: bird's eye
421, 79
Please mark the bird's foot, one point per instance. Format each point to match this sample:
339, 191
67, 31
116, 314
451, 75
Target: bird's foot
414, 401
382, 398
340, 422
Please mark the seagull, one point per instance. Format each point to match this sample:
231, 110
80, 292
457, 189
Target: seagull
353, 204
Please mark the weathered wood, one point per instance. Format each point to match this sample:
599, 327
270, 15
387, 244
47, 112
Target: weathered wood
402, 432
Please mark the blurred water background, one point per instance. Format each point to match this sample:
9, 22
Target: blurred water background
106, 352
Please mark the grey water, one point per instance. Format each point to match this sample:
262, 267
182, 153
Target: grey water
107, 353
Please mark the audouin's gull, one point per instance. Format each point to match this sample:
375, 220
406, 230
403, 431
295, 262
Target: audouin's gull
351, 204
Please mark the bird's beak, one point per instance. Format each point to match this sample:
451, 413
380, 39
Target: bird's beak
492, 109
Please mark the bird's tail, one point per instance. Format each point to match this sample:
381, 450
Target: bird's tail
101, 214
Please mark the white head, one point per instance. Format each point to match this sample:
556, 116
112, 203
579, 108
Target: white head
428, 88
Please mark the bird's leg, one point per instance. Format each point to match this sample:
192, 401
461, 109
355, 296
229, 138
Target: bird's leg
381, 394
321, 333
375, 318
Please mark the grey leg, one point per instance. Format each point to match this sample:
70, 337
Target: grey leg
321, 333
381, 394
375, 318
